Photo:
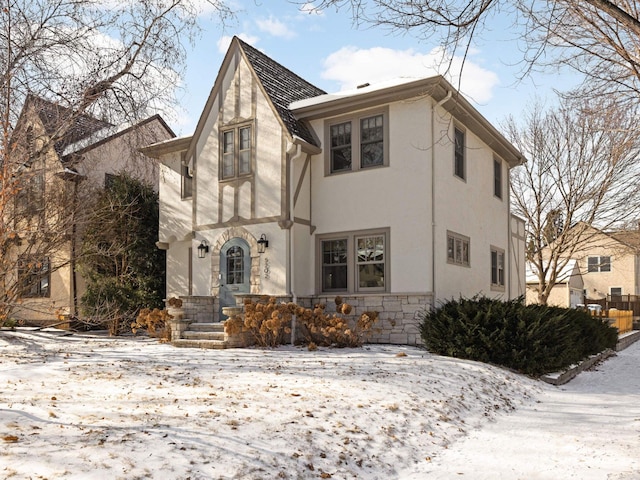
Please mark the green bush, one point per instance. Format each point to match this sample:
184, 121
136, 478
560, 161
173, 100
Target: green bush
533, 339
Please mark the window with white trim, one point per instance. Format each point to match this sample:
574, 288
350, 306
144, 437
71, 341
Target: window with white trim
237, 152
458, 247
354, 261
497, 267
599, 264
357, 143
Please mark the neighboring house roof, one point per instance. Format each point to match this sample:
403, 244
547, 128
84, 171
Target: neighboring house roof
108, 134
283, 87
630, 238
570, 270
53, 116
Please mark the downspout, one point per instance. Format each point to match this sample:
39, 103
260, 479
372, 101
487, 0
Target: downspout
433, 194
74, 232
510, 245
294, 152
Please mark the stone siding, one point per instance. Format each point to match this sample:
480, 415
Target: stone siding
398, 314
200, 309
398, 321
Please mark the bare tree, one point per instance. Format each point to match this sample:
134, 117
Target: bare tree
101, 64
581, 173
599, 38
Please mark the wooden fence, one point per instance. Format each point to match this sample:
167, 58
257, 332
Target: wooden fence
621, 302
621, 319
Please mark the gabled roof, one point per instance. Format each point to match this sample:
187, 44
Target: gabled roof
565, 275
53, 116
283, 87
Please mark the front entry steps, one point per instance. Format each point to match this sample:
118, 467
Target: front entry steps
203, 335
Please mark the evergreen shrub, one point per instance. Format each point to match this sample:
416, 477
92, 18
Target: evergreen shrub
531, 339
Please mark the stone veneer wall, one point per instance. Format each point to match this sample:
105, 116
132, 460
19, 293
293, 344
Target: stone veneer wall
199, 309
398, 322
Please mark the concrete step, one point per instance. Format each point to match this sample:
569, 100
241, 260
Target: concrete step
210, 344
206, 327
202, 335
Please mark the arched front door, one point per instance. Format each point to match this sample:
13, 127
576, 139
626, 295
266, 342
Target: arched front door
235, 272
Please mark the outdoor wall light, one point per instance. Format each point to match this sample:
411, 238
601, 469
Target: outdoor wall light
203, 249
263, 243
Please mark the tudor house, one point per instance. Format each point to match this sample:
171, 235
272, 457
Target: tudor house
62, 173
394, 196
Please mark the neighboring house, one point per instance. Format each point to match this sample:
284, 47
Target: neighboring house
61, 176
610, 264
568, 290
393, 196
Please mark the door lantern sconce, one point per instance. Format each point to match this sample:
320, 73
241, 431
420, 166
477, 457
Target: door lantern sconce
203, 249
263, 243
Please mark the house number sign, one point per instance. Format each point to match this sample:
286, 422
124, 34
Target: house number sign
267, 269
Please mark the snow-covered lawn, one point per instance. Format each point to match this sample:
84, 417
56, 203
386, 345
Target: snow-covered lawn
91, 407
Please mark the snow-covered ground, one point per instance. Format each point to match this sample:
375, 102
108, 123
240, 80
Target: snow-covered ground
91, 407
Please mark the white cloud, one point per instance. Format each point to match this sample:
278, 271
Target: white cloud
352, 66
275, 27
225, 41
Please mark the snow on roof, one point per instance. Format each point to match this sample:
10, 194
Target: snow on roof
359, 90
564, 275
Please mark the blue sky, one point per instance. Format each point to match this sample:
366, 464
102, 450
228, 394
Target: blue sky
326, 49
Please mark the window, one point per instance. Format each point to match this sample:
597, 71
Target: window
370, 257
615, 291
34, 276
357, 143
354, 262
459, 160
236, 152
457, 249
235, 266
371, 141
497, 178
599, 264
497, 267
29, 199
341, 147
334, 265
187, 182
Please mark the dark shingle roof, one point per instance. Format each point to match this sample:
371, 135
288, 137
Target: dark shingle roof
55, 116
283, 87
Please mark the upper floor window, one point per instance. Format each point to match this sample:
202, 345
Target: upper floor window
458, 249
497, 267
236, 152
372, 141
357, 143
341, 147
599, 264
34, 276
29, 199
354, 262
497, 178
459, 163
